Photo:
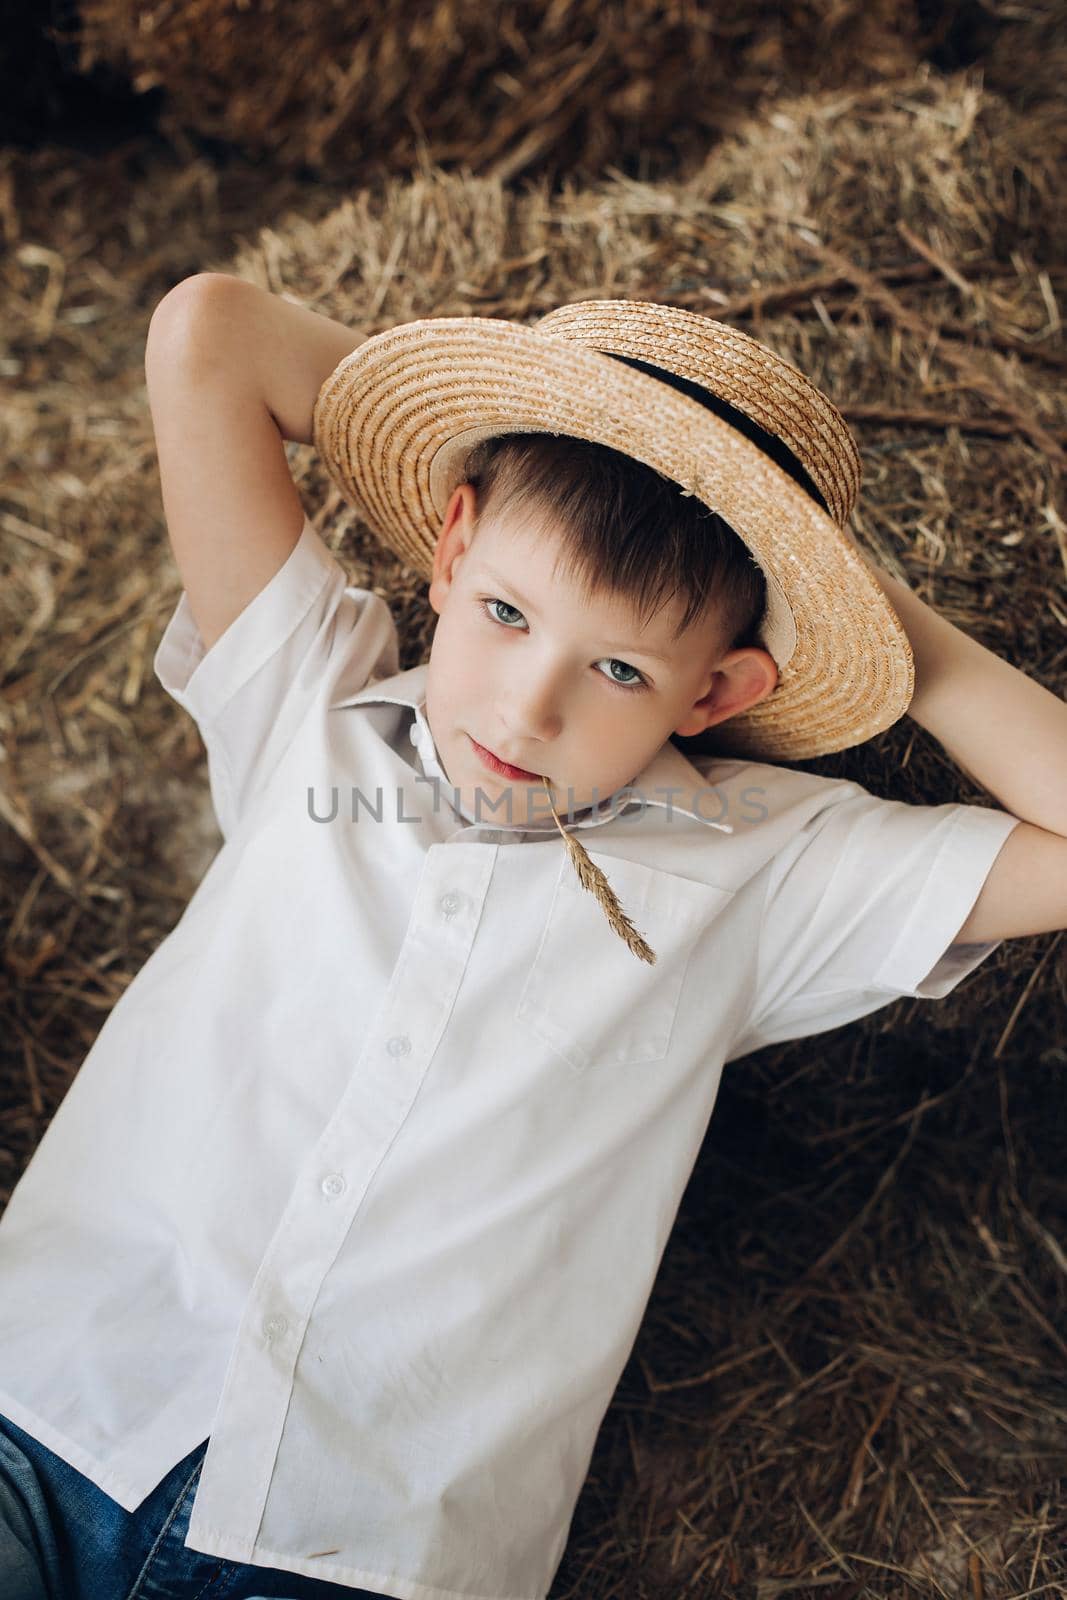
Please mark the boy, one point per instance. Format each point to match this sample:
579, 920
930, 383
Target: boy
366, 1180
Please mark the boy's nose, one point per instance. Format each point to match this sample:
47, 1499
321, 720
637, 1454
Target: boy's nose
532, 711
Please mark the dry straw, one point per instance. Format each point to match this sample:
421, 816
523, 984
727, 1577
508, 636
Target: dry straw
500, 90
590, 877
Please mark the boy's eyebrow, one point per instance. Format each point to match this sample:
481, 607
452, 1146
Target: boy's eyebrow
630, 649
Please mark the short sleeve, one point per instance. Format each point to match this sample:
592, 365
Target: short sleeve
249, 693
862, 907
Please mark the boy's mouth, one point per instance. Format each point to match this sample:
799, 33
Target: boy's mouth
503, 769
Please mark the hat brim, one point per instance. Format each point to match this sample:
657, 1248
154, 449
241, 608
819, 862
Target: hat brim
394, 424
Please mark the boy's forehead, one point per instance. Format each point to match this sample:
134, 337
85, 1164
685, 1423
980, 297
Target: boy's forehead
524, 549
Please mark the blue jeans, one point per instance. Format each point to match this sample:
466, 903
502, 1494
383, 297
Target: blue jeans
62, 1538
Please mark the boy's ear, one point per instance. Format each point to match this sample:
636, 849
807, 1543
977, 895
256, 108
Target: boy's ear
741, 679
453, 541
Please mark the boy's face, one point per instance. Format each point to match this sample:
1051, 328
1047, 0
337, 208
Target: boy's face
525, 666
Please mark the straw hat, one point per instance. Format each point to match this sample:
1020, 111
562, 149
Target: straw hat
701, 403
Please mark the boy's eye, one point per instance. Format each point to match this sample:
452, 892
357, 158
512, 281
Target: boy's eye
636, 682
506, 608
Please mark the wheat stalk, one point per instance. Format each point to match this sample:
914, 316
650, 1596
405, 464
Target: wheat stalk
590, 877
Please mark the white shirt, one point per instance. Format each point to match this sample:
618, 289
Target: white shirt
368, 1173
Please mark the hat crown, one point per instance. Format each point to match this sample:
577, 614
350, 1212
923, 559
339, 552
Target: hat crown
732, 368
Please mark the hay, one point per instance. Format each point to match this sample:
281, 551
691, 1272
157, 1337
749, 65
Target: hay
851, 1374
501, 90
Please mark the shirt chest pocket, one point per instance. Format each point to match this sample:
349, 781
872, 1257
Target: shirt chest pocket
587, 994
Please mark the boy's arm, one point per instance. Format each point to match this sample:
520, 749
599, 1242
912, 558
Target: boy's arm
1009, 733
233, 371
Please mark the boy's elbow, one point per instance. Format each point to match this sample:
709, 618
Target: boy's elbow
178, 321
173, 321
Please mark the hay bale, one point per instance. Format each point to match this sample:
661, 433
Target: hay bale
851, 1369
501, 89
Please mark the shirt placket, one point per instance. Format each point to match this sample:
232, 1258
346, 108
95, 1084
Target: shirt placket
326, 1199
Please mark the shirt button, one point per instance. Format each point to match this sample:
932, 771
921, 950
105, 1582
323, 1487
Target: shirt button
450, 903
274, 1327
399, 1045
333, 1184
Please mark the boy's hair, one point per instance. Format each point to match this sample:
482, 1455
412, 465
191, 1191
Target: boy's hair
625, 529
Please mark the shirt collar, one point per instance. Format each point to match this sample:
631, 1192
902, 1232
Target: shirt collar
669, 780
